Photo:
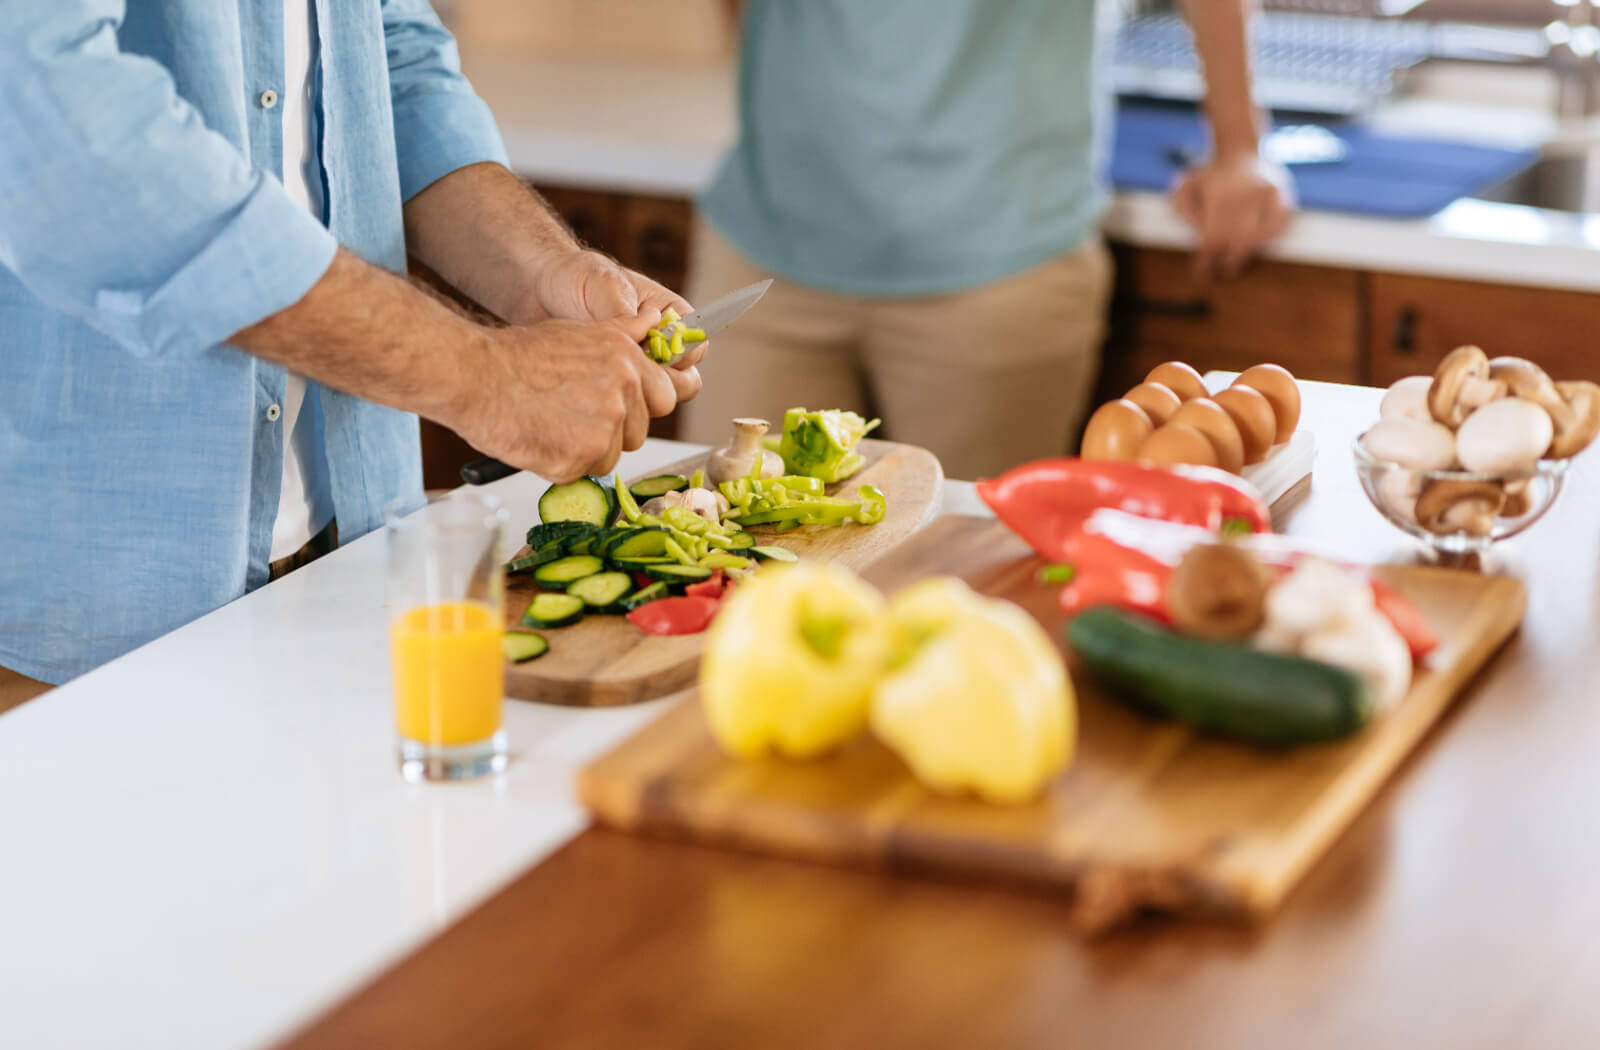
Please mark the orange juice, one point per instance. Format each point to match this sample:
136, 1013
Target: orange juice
447, 673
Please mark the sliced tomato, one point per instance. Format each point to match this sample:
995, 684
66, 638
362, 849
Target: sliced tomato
711, 588
1407, 621
685, 615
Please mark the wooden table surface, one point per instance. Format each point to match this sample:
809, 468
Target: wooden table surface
1459, 911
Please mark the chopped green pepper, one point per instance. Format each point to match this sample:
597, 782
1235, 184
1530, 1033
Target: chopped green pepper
822, 444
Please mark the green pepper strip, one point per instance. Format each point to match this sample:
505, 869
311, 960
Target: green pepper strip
697, 480
874, 505
625, 500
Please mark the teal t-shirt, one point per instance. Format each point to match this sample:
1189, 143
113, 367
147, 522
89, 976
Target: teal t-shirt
892, 148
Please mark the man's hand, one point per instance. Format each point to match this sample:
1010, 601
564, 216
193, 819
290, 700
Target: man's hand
563, 398
560, 398
1235, 205
586, 285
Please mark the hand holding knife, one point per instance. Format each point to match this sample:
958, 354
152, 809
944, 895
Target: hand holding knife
711, 319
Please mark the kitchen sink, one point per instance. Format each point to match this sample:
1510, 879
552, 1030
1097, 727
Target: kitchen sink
1565, 179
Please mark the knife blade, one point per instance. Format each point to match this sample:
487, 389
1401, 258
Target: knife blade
712, 318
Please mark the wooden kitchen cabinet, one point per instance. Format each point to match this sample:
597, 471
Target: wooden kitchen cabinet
1415, 321
1306, 318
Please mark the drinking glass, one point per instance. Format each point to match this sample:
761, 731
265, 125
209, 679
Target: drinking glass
446, 611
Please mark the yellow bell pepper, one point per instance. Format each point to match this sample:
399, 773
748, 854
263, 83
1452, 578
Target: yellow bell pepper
791, 660
977, 698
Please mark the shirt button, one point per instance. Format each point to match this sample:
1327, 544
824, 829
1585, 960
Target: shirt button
269, 98
273, 412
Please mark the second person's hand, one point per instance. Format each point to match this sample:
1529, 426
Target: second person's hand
1235, 205
563, 398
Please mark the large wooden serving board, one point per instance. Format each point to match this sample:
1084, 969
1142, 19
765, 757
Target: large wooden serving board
605, 661
1149, 816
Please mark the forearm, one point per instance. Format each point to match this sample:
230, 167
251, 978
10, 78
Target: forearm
1221, 39
485, 233
362, 330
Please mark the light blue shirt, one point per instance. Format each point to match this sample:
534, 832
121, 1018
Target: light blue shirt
889, 148
142, 222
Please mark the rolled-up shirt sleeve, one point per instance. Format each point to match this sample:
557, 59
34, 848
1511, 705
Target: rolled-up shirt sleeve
120, 207
440, 124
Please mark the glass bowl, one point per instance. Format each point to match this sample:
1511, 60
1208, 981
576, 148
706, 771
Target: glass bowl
1397, 492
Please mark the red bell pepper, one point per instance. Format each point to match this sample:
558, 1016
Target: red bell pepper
685, 615
1047, 502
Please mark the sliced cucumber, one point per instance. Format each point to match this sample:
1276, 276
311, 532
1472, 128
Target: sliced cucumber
769, 553
566, 570
660, 485
549, 531
583, 500
603, 591
639, 564
677, 573
740, 541
553, 610
647, 542
645, 595
521, 646
532, 560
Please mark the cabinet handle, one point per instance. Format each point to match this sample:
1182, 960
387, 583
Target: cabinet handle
1404, 337
658, 247
1183, 309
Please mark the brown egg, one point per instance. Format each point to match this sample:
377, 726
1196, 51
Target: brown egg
1180, 378
1115, 431
1277, 385
1206, 416
1176, 443
1157, 400
1252, 413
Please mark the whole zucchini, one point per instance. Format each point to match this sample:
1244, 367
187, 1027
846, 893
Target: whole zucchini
1233, 690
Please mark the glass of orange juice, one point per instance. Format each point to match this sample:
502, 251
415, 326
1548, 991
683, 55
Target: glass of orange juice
446, 611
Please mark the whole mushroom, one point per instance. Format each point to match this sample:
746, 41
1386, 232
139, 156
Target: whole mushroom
1508, 436
1407, 399
1461, 384
1413, 443
1572, 436
1447, 506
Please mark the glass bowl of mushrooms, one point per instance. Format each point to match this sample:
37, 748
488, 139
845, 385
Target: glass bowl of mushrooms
1475, 452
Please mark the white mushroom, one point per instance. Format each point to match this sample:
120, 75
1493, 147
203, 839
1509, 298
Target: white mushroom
1407, 399
1398, 490
1507, 436
709, 505
1369, 647
1412, 443
1313, 594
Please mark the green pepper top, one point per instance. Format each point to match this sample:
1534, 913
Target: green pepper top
822, 444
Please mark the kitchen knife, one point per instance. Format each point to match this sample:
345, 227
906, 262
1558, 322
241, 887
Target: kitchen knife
712, 318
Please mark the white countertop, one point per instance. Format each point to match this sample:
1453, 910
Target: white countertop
628, 128
206, 842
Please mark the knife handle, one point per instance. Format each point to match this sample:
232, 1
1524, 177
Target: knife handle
483, 471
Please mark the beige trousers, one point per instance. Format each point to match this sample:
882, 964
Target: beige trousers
986, 377
16, 689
